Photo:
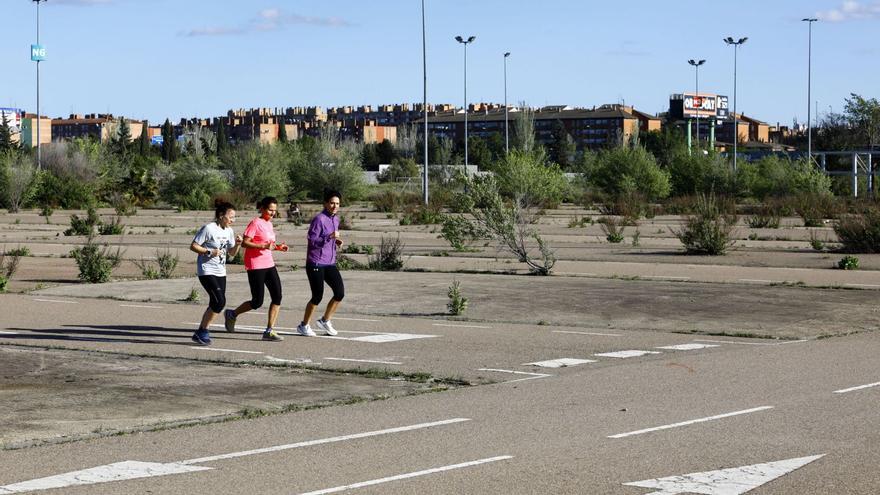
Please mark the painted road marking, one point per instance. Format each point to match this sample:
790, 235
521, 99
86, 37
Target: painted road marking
139, 306
354, 319
693, 421
372, 337
136, 469
687, 347
8, 333
409, 475
458, 326
560, 363
323, 441
217, 349
749, 343
589, 333
119, 471
391, 337
55, 301
361, 360
731, 481
294, 361
860, 387
531, 376
626, 354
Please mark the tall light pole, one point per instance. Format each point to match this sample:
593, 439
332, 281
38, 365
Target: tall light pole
425, 105
506, 129
736, 44
809, 21
36, 58
465, 42
697, 64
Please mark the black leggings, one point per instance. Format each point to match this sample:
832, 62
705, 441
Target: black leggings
216, 288
320, 274
267, 277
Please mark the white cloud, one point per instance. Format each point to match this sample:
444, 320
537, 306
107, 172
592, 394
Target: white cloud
267, 20
851, 10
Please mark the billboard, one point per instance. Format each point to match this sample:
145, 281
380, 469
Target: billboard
704, 105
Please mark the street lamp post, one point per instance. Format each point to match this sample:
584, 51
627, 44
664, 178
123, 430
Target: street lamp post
506, 129
465, 42
39, 153
736, 44
697, 64
425, 106
809, 21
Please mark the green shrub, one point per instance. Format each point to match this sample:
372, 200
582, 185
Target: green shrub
626, 169
421, 215
848, 263
708, 230
8, 266
256, 172
83, 226
459, 232
813, 208
859, 233
401, 169
115, 227
95, 262
19, 251
389, 257
766, 217
699, 173
528, 177
193, 185
613, 228
816, 243
344, 262
353, 248
778, 176
457, 302
394, 201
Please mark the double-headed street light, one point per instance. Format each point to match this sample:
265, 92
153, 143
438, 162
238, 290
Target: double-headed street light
735, 44
506, 129
697, 64
465, 42
809, 21
36, 57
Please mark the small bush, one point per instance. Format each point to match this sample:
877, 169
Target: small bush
95, 262
393, 201
459, 232
708, 230
613, 229
859, 233
353, 248
848, 263
83, 226
344, 262
193, 296
115, 227
816, 243
389, 257
579, 222
457, 302
19, 251
813, 208
421, 215
766, 217
8, 266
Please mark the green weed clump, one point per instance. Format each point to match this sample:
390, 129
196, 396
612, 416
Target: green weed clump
848, 263
457, 302
859, 233
96, 263
708, 230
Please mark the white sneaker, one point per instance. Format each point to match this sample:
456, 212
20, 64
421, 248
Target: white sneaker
305, 330
326, 326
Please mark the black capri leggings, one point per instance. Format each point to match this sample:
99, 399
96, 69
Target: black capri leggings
320, 274
216, 288
264, 277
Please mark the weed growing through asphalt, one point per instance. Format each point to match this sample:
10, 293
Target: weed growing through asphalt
848, 263
457, 302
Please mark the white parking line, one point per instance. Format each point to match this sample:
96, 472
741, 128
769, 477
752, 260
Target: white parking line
375, 361
294, 361
687, 347
309, 443
8, 333
560, 363
693, 421
139, 306
216, 349
531, 376
626, 354
409, 475
458, 326
590, 333
55, 301
862, 285
860, 387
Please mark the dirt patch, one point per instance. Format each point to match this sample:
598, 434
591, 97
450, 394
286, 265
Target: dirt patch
51, 395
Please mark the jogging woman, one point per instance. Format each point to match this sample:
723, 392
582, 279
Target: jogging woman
323, 240
259, 242
214, 243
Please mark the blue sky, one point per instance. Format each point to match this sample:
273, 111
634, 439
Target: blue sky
152, 59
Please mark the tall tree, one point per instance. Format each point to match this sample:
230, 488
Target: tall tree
222, 142
863, 115
121, 139
143, 145
562, 147
282, 131
169, 144
5, 135
386, 152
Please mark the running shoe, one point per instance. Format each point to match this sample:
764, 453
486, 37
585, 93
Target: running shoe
326, 326
230, 320
272, 336
202, 337
305, 330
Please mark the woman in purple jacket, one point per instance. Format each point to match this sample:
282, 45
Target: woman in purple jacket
323, 239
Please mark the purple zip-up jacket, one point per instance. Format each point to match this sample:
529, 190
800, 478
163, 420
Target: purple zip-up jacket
321, 250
